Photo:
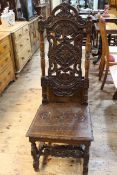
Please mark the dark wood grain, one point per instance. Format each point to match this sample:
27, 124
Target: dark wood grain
62, 121
64, 115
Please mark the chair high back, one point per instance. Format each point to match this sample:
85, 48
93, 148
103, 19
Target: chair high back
64, 82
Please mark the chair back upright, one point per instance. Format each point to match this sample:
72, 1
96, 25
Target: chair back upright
105, 45
64, 82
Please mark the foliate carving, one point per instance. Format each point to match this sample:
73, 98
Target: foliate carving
64, 30
65, 88
60, 116
64, 33
80, 151
64, 151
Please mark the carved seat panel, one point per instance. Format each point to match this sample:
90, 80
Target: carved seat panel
62, 121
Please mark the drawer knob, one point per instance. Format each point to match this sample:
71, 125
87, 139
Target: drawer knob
6, 59
5, 46
27, 39
9, 73
23, 58
20, 34
28, 50
21, 45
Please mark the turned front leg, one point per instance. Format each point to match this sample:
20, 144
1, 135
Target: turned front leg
35, 155
86, 160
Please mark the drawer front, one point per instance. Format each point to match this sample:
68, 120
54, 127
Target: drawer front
5, 77
18, 34
36, 25
37, 34
31, 27
23, 57
25, 29
24, 42
4, 45
4, 41
5, 60
25, 54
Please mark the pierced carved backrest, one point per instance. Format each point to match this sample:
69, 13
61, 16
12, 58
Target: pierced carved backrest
64, 30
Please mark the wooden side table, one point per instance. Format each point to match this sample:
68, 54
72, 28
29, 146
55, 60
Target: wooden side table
115, 3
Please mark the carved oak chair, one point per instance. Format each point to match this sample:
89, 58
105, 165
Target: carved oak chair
64, 115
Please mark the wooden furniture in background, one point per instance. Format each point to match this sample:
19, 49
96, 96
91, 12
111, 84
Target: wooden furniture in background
113, 3
7, 73
64, 115
34, 34
108, 59
43, 9
21, 43
111, 28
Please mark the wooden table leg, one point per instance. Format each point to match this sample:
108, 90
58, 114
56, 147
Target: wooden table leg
115, 95
86, 160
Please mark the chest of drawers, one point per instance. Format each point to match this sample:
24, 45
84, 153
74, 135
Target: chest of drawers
34, 34
21, 43
7, 73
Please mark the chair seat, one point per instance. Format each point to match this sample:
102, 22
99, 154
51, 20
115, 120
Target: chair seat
63, 122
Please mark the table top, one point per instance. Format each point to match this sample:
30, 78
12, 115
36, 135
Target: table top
84, 16
18, 25
111, 28
111, 17
95, 19
85, 11
3, 35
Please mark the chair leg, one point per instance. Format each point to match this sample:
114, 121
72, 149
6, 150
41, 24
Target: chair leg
101, 69
36, 152
35, 155
105, 77
86, 160
45, 157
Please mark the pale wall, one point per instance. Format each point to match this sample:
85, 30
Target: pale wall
55, 3
95, 5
